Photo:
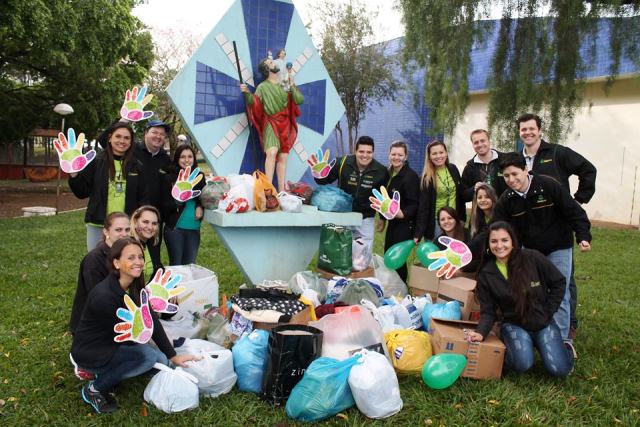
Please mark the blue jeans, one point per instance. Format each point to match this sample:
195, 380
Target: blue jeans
130, 360
563, 260
182, 245
556, 357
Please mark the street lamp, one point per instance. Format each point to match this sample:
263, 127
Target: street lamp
63, 110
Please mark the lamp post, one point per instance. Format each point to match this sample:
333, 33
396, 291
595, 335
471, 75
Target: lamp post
63, 110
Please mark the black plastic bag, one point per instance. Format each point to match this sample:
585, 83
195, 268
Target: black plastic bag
292, 348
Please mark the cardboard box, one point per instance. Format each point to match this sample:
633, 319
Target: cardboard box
422, 281
301, 318
369, 272
460, 289
484, 359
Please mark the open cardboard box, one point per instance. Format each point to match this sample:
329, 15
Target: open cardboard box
460, 289
484, 359
423, 281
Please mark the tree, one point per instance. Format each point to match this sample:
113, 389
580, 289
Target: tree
359, 69
537, 62
82, 52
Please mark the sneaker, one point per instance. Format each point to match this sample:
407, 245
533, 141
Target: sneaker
102, 403
570, 346
82, 374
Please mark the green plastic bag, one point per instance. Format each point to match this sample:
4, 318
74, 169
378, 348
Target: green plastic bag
335, 249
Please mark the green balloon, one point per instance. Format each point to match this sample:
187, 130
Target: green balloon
424, 249
397, 254
443, 369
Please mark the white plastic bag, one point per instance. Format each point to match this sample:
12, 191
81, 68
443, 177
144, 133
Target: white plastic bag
383, 314
361, 255
195, 346
214, 371
392, 284
308, 280
243, 185
172, 390
289, 202
186, 326
377, 396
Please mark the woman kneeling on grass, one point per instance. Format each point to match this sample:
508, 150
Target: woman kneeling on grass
144, 228
528, 289
94, 347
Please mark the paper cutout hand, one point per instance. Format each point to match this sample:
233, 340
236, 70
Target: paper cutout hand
456, 256
320, 165
381, 203
161, 289
69, 151
183, 188
137, 325
134, 103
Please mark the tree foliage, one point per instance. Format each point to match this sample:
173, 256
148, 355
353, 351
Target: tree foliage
82, 52
361, 72
537, 64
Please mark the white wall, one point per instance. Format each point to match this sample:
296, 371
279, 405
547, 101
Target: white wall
606, 131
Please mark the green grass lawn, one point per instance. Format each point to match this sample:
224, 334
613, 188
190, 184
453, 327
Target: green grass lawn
40, 258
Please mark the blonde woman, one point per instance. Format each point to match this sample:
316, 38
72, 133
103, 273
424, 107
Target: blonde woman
145, 229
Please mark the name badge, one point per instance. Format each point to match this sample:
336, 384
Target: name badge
118, 187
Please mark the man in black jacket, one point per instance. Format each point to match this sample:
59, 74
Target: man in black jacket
545, 217
559, 162
154, 159
358, 174
483, 167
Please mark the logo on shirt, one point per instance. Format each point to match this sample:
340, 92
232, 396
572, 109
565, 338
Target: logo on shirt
535, 284
542, 161
541, 199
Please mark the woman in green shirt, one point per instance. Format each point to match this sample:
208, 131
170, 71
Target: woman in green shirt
144, 228
182, 219
440, 186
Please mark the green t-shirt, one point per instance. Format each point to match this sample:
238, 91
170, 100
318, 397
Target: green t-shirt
187, 220
148, 265
445, 189
116, 190
502, 268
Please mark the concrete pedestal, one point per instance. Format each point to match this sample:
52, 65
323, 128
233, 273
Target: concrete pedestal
274, 245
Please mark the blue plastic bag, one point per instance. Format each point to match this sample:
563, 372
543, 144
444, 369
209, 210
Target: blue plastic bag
250, 356
450, 310
331, 199
323, 391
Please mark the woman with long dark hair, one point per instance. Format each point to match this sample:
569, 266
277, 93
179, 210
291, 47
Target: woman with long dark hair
94, 345
527, 289
405, 181
112, 182
440, 186
182, 219
451, 226
484, 200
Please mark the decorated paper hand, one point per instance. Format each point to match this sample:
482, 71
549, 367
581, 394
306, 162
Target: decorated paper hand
456, 256
161, 289
183, 188
137, 324
381, 203
134, 103
70, 152
320, 165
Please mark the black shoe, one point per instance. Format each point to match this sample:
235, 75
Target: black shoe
102, 403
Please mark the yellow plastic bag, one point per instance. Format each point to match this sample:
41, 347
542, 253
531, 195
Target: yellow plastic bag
264, 194
409, 350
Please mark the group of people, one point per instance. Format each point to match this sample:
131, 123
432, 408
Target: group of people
129, 190
521, 229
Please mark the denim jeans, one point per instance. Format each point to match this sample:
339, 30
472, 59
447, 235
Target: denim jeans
563, 260
556, 357
182, 245
130, 360
573, 291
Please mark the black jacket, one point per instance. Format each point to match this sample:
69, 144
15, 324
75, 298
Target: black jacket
93, 270
93, 345
170, 208
545, 219
482, 172
407, 183
152, 166
359, 185
561, 162
92, 182
544, 295
426, 219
